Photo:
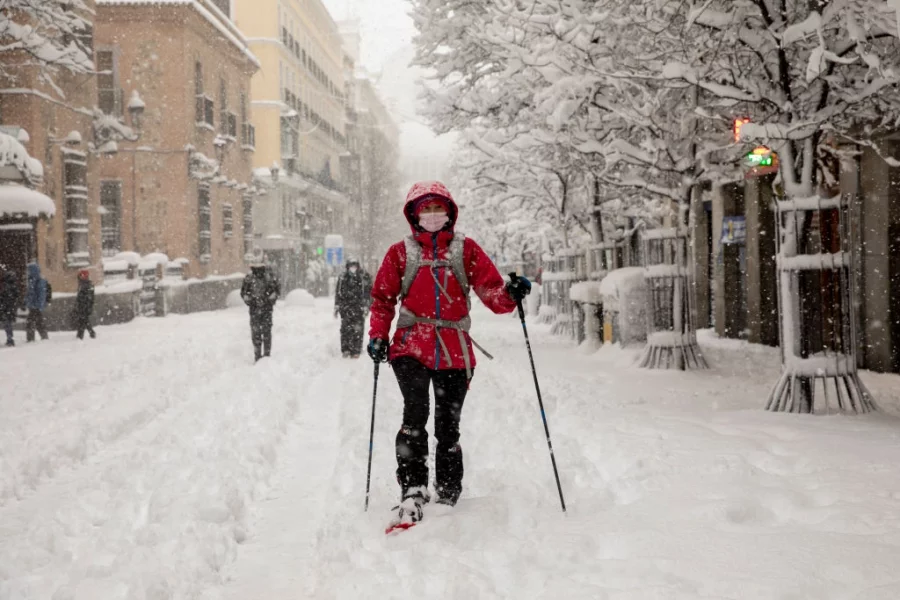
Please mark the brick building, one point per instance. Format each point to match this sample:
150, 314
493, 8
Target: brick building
183, 187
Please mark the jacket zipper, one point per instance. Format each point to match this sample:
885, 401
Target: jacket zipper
437, 305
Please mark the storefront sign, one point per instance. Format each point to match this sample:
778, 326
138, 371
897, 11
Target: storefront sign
734, 230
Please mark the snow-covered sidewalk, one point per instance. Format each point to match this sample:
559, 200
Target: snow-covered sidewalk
157, 462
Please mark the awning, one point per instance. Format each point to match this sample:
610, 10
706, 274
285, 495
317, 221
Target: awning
20, 201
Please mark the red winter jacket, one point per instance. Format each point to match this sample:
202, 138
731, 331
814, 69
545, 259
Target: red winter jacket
425, 299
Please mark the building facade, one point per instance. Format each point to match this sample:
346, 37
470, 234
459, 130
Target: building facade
182, 184
54, 124
298, 110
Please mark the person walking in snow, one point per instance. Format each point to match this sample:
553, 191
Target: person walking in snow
430, 274
84, 305
351, 303
37, 297
9, 303
259, 292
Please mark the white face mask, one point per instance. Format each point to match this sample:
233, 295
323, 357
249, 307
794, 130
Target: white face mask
352, 269
432, 222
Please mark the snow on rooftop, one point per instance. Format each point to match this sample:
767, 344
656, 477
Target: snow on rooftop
19, 200
208, 11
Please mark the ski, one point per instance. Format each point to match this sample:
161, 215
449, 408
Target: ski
398, 527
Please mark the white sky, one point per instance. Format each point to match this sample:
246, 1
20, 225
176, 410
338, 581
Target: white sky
387, 31
386, 26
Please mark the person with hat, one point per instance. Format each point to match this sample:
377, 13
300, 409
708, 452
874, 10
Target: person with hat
351, 302
260, 291
430, 274
84, 305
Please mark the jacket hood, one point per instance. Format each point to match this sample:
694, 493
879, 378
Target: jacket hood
428, 188
34, 271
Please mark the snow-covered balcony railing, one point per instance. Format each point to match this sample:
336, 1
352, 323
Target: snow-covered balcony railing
671, 336
816, 260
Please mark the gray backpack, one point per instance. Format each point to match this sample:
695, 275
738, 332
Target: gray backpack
454, 262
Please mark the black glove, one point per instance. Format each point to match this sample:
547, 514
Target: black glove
378, 350
518, 287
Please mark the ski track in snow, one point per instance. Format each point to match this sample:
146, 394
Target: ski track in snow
157, 462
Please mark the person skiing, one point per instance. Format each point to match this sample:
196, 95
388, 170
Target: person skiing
36, 299
351, 302
9, 302
84, 305
259, 292
430, 274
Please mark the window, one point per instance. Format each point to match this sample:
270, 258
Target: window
223, 108
247, 206
227, 220
200, 99
248, 136
204, 220
224, 6
109, 96
76, 198
232, 125
111, 217
204, 107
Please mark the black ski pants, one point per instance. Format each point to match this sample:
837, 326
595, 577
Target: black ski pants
261, 332
83, 322
35, 320
352, 323
450, 387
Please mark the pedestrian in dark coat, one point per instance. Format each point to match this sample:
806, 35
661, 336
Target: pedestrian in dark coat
9, 303
260, 291
84, 305
36, 299
351, 303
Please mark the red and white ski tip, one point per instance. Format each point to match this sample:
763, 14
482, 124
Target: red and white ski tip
398, 527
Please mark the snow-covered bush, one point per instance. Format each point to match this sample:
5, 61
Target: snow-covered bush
234, 300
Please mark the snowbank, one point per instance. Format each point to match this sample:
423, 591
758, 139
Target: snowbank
234, 300
300, 297
19, 200
620, 282
586, 291
625, 304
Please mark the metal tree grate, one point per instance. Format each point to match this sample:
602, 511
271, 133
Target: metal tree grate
671, 334
816, 288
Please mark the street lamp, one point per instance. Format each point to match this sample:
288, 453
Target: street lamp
136, 108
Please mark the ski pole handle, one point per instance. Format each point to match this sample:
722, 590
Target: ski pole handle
514, 277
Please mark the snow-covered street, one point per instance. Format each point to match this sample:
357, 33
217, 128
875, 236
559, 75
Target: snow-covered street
158, 462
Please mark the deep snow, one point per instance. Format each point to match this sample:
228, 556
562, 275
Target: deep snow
158, 462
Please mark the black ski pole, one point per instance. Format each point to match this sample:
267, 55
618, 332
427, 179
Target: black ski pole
513, 277
371, 435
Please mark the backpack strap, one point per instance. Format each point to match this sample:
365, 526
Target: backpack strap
455, 261
413, 263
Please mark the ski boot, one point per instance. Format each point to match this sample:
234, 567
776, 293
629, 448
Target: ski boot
409, 511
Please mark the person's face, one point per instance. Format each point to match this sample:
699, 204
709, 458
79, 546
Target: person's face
432, 207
